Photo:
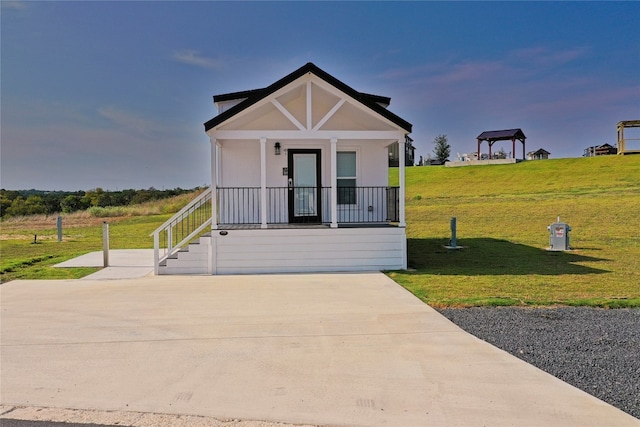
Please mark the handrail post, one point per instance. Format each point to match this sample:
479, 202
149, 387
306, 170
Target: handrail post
156, 253
105, 243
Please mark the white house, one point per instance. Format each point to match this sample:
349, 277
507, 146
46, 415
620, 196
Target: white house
300, 183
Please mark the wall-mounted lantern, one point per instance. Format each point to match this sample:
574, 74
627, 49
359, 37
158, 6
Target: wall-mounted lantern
276, 148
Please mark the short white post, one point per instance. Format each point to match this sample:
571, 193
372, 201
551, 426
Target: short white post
105, 243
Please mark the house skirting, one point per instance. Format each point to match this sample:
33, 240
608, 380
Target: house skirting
299, 250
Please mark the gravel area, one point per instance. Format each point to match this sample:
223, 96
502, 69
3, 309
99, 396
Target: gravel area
596, 350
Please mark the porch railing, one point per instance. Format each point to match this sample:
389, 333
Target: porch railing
242, 205
182, 228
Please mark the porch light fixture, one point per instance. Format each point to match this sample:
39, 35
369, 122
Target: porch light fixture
276, 148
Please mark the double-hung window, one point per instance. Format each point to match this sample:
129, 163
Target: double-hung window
346, 172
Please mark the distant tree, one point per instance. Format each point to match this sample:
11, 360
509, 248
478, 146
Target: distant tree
443, 149
5, 203
52, 202
141, 196
72, 203
33, 205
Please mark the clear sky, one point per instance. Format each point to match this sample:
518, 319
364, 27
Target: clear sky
115, 94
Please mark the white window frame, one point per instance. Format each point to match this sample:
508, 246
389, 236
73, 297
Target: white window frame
356, 177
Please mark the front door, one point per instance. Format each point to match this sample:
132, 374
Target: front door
304, 186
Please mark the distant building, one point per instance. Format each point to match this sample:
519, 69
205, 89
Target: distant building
541, 154
600, 150
434, 162
409, 157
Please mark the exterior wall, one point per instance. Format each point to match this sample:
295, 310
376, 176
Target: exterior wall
308, 250
225, 105
239, 166
240, 162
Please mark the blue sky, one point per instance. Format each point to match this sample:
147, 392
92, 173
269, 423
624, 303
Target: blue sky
115, 94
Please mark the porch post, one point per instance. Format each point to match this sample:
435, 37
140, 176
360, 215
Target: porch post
263, 182
214, 182
401, 162
334, 183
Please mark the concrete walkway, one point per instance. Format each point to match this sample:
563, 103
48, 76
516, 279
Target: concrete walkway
319, 349
123, 264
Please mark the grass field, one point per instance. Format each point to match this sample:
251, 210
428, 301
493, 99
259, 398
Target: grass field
129, 228
502, 213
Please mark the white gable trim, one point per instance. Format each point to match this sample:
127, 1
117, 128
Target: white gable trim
287, 114
309, 103
330, 114
343, 96
306, 134
307, 125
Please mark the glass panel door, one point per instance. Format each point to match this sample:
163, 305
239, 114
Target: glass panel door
304, 188
304, 184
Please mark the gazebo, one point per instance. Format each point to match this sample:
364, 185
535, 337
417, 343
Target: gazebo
625, 124
493, 136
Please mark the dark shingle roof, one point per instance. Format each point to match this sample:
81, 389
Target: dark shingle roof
254, 96
502, 135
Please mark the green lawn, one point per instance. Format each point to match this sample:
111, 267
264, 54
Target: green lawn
20, 258
502, 215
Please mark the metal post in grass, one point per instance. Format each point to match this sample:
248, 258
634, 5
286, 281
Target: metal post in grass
59, 222
453, 243
453, 232
105, 243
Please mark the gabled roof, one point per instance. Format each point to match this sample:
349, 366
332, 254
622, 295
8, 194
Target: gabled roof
541, 151
253, 96
502, 135
256, 92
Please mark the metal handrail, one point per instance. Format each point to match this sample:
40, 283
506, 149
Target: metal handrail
181, 228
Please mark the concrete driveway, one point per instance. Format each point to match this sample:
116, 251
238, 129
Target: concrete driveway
322, 349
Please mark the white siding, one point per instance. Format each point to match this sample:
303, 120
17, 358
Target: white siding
309, 250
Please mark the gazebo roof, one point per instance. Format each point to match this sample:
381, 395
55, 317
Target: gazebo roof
502, 135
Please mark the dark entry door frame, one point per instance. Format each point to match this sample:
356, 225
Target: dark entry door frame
305, 185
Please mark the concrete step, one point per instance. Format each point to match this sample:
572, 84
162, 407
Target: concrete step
195, 263
192, 259
182, 270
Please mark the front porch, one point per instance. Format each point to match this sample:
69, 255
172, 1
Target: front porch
236, 240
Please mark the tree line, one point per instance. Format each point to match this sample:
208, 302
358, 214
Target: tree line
35, 202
